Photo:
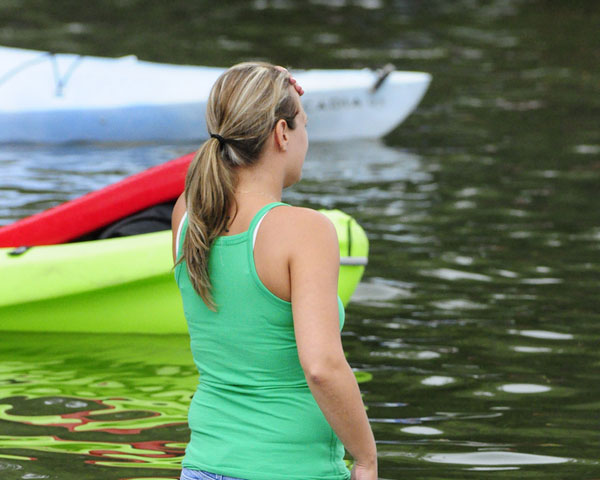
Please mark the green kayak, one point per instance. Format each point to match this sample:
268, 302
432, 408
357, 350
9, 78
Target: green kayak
121, 285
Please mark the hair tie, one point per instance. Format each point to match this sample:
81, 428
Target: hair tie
221, 140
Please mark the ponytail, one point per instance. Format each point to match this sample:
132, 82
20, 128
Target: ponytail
208, 195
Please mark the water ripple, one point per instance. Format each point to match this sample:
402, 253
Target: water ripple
524, 388
493, 458
543, 334
451, 274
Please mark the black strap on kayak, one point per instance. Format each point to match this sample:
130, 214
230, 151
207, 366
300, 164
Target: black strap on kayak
382, 74
349, 225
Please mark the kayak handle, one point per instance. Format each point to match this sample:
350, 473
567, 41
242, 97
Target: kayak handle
382, 74
18, 251
353, 261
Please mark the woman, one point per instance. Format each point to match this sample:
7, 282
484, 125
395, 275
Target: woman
276, 398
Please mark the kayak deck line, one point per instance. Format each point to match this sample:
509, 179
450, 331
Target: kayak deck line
60, 81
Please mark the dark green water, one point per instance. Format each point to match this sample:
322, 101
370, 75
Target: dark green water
475, 331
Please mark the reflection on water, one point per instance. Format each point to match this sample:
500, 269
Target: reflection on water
111, 407
493, 458
116, 407
474, 333
542, 334
422, 430
524, 388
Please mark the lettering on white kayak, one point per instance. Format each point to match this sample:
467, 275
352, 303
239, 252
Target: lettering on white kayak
334, 103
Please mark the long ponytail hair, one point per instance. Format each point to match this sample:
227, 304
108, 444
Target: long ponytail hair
244, 105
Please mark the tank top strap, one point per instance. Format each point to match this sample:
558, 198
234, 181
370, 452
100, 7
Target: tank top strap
258, 218
180, 235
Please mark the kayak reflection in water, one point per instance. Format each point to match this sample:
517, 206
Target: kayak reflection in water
258, 279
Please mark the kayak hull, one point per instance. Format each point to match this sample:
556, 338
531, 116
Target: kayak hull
61, 98
150, 306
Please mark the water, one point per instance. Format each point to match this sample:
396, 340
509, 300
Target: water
475, 330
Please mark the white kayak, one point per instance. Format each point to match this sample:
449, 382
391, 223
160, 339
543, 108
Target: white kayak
58, 98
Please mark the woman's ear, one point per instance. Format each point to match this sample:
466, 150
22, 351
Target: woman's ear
281, 134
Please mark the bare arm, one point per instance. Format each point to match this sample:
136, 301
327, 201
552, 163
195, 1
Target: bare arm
314, 270
178, 211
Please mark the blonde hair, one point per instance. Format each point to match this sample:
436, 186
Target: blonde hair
244, 105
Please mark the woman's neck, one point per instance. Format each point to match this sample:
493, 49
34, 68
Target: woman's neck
263, 180
256, 194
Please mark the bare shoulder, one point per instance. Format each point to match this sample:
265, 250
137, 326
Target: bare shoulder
304, 228
300, 220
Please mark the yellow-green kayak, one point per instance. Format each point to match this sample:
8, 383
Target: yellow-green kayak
121, 285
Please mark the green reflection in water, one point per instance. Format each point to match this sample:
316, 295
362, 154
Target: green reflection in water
111, 450
114, 401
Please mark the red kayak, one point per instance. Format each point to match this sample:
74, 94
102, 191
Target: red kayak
105, 213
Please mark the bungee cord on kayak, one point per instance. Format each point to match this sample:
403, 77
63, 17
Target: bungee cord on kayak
59, 80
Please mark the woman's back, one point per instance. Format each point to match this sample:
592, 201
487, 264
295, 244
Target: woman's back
253, 407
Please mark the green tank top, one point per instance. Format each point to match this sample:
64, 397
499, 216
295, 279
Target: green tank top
252, 415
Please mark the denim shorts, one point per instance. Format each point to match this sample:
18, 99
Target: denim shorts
187, 474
